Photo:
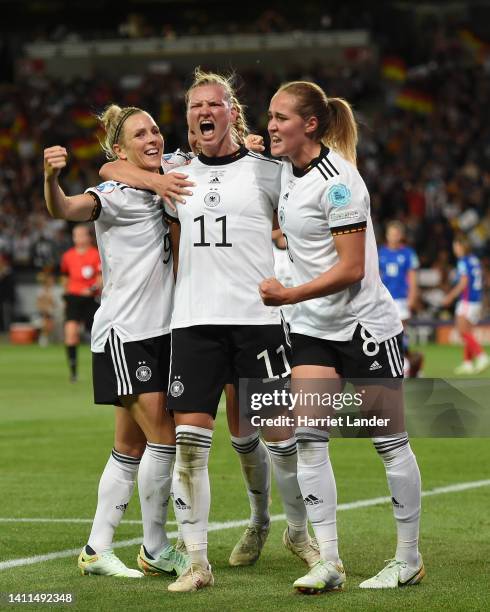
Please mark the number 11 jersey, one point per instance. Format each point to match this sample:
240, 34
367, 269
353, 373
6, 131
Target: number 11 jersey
225, 246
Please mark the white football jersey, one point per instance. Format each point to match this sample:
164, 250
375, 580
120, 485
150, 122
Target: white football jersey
282, 271
328, 199
225, 248
137, 271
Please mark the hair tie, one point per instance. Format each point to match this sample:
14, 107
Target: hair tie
117, 131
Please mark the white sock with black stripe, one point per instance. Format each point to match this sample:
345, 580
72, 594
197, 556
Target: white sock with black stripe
154, 483
115, 489
403, 475
256, 469
317, 484
284, 459
192, 496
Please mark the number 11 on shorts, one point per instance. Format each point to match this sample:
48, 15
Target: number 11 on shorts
271, 376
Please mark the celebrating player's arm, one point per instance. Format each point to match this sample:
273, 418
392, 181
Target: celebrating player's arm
349, 239
347, 271
172, 186
81, 207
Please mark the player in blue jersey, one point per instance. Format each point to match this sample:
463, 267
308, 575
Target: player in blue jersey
468, 292
397, 266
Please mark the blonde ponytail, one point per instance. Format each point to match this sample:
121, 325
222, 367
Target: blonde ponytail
337, 127
341, 134
112, 120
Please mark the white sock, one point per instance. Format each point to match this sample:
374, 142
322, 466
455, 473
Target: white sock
192, 496
284, 460
403, 475
256, 469
154, 482
317, 484
115, 489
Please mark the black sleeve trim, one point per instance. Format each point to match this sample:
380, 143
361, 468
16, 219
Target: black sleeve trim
97, 207
263, 158
349, 229
169, 218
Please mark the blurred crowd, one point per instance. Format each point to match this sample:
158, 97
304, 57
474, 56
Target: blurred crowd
136, 19
424, 147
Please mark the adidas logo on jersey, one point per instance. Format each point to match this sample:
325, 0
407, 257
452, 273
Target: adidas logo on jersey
215, 179
375, 366
181, 505
311, 500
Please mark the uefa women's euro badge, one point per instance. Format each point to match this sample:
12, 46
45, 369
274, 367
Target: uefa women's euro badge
106, 187
339, 195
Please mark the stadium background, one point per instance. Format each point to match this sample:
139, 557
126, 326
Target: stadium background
418, 78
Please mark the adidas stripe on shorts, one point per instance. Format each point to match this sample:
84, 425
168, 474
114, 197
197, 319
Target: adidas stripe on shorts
361, 357
130, 368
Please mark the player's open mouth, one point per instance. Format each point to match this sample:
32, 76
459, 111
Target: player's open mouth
151, 152
207, 127
275, 140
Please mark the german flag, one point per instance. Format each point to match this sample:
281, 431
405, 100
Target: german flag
19, 125
394, 69
83, 118
416, 101
478, 47
85, 148
6, 140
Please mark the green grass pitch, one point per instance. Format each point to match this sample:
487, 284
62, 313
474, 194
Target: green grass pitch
54, 444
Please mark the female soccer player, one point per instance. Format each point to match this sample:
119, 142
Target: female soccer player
398, 264
130, 340
344, 322
468, 292
221, 331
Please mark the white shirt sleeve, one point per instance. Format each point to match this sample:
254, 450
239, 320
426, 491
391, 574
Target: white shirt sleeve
111, 199
346, 202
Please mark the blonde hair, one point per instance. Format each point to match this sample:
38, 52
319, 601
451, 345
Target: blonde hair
337, 127
112, 120
239, 129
